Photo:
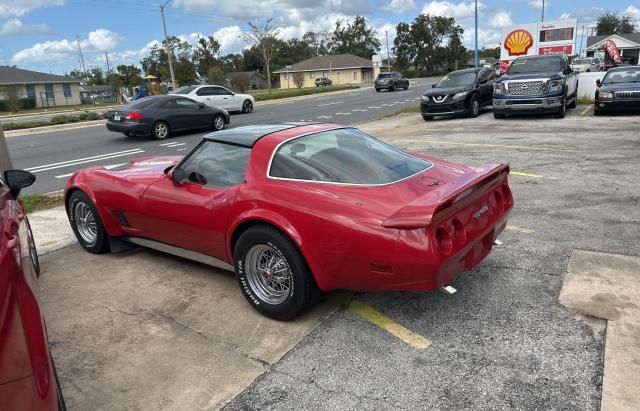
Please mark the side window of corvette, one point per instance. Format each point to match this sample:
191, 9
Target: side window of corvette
217, 164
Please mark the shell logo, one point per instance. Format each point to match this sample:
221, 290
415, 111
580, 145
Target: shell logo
518, 42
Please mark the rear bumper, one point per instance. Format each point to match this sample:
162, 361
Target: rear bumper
383, 86
618, 105
123, 127
527, 105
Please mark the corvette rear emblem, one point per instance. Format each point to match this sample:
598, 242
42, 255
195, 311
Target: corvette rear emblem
479, 213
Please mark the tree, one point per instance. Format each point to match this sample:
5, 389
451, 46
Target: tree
612, 23
157, 62
354, 38
206, 54
263, 36
239, 81
96, 76
428, 42
126, 75
317, 41
298, 79
215, 75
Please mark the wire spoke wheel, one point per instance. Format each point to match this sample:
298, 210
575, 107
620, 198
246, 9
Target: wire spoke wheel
269, 274
85, 223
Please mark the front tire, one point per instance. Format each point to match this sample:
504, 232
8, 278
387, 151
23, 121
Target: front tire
272, 273
392, 87
563, 109
474, 107
218, 122
427, 118
160, 130
377, 90
86, 223
499, 116
247, 107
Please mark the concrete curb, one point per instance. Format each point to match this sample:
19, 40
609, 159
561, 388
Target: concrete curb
58, 127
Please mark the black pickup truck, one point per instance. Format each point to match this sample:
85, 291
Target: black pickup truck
536, 84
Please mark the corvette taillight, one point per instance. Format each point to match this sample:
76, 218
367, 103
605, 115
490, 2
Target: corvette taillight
134, 115
459, 233
443, 240
506, 196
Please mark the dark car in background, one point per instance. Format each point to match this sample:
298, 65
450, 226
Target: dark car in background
459, 92
323, 81
618, 90
391, 81
159, 116
27, 376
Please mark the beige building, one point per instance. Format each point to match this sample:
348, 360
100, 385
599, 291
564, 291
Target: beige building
339, 68
35, 89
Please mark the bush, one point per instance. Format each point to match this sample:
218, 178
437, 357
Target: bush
60, 119
27, 104
94, 116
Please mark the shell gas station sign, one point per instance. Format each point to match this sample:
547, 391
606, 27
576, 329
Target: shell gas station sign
553, 37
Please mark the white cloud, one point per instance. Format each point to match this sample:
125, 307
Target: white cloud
501, 19
634, 12
458, 11
230, 39
15, 27
537, 4
17, 8
100, 40
399, 6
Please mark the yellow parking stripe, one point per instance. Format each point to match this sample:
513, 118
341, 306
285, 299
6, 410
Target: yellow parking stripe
585, 110
482, 145
375, 317
519, 174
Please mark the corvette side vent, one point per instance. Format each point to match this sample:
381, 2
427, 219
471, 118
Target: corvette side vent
122, 219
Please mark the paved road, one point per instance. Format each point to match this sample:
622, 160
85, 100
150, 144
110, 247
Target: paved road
55, 155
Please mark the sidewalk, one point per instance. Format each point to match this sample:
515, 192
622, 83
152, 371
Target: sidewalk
51, 230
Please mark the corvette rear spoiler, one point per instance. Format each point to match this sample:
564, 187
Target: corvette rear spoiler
420, 213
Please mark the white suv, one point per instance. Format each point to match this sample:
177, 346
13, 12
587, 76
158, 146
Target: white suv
219, 97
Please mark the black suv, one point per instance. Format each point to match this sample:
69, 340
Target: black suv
323, 81
391, 81
459, 92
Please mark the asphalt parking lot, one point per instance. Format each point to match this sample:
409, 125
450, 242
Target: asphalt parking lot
145, 331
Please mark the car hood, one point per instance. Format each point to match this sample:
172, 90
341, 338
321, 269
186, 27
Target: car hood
145, 166
440, 91
530, 76
620, 87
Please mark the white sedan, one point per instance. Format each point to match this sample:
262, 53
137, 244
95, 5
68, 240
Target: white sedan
219, 97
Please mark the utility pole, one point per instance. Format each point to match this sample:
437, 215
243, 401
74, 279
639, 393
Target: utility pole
386, 33
476, 38
106, 56
542, 19
168, 46
84, 71
5, 160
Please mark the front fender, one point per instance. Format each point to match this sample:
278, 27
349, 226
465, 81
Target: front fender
76, 182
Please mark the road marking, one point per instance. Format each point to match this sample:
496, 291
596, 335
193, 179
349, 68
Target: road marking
519, 174
167, 144
330, 104
377, 318
324, 117
181, 149
109, 167
585, 110
358, 109
91, 159
520, 229
483, 145
175, 145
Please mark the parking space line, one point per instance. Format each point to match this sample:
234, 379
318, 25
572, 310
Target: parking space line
376, 318
520, 229
520, 174
330, 104
482, 145
585, 110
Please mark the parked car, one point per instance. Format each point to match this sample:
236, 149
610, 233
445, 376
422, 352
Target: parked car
28, 380
391, 81
162, 115
536, 84
219, 97
587, 64
323, 81
304, 207
459, 92
618, 90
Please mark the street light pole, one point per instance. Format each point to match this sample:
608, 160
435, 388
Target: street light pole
542, 18
476, 37
386, 33
168, 46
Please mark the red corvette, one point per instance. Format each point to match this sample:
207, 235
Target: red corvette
299, 208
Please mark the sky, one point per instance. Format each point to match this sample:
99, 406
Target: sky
42, 35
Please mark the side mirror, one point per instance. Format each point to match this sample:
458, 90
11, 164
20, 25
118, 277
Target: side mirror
201, 106
178, 175
598, 82
433, 85
17, 180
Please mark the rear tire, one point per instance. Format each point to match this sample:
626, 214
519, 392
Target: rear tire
160, 130
86, 223
126, 133
272, 274
247, 107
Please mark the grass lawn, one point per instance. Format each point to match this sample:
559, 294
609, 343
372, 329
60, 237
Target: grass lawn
404, 110
36, 202
262, 95
61, 109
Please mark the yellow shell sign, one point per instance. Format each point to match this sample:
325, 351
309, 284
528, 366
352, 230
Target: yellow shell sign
518, 42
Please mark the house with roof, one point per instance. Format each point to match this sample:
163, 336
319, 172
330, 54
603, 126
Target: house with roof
36, 89
628, 44
252, 79
340, 68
